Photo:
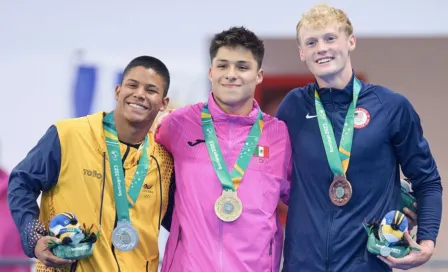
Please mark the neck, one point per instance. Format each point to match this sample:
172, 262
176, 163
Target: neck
337, 81
130, 133
240, 109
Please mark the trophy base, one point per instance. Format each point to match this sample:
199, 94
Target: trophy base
80, 251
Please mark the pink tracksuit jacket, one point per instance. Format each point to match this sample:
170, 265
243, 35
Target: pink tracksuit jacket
199, 240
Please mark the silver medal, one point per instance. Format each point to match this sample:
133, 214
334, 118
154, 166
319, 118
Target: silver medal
124, 236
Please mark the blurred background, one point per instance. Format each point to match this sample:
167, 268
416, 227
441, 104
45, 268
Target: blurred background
63, 59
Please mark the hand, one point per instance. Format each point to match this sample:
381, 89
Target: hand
159, 119
414, 258
412, 217
47, 257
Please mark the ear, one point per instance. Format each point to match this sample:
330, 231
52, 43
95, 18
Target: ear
117, 92
165, 102
302, 56
351, 42
260, 76
210, 73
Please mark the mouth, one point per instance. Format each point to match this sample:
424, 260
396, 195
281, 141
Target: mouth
324, 60
137, 106
230, 85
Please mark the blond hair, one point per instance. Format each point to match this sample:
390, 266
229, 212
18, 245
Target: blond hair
321, 15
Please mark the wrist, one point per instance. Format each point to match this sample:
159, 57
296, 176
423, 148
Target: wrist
427, 243
34, 231
427, 247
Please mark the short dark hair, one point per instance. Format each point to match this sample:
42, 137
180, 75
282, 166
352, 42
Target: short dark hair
150, 63
238, 36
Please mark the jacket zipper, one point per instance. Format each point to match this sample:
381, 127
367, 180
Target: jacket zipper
220, 245
74, 266
116, 219
221, 268
332, 209
327, 259
271, 262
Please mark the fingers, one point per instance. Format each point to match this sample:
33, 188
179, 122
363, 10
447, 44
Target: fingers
386, 260
57, 262
56, 240
410, 214
411, 242
401, 263
412, 218
159, 120
46, 256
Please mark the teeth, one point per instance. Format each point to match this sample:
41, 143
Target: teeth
324, 60
136, 106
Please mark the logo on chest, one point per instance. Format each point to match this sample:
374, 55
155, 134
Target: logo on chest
92, 173
262, 153
362, 118
147, 190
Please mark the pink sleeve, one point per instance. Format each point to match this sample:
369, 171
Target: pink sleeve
286, 183
164, 134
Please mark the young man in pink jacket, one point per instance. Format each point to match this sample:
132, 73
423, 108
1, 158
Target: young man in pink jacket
233, 166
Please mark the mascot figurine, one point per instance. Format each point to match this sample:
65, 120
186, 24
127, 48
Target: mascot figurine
75, 242
65, 226
385, 238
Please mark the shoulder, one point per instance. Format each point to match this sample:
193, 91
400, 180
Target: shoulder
385, 95
160, 152
186, 113
274, 123
79, 124
275, 130
299, 93
297, 101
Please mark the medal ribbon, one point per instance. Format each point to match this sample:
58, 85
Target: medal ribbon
228, 180
338, 162
124, 200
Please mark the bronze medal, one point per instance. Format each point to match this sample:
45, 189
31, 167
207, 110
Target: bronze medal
340, 191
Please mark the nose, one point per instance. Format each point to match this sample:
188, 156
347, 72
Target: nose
140, 93
231, 73
322, 48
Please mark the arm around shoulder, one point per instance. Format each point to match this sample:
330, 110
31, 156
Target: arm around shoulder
166, 133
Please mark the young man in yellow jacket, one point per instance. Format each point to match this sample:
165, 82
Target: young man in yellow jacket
71, 165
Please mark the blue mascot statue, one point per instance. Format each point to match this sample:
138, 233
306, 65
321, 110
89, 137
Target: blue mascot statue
75, 242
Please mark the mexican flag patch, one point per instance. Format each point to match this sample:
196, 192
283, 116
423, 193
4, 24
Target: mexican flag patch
261, 151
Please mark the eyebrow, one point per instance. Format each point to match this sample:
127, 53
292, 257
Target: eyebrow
147, 85
323, 35
239, 61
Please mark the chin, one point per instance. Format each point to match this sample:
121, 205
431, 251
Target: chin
323, 72
137, 118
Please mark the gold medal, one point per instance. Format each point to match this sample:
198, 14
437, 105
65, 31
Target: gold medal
340, 191
228, 206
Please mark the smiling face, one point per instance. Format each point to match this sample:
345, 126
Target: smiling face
326, 40
140, 96
326, 50
234, 74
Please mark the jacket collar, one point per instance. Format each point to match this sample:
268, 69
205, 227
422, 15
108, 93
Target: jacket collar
96, 128
219, 115
338, 96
